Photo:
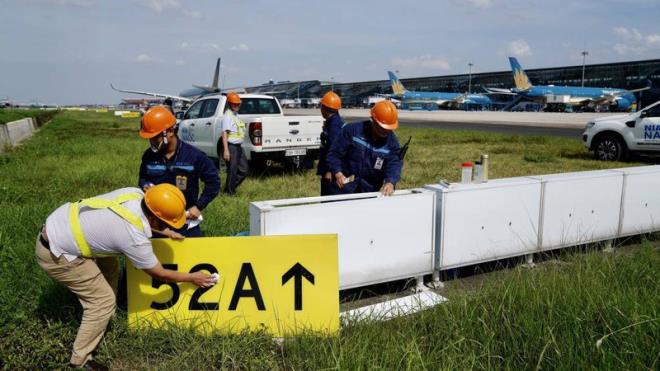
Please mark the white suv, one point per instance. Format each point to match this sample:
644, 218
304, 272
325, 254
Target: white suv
614, 138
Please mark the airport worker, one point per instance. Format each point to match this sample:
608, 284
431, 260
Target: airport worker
365, 157
169, 104
332, 124
79, 244
233, 132
171, 160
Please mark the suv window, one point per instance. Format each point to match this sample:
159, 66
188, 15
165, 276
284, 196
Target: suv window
194, 111
653, 111
209, 108
258, 106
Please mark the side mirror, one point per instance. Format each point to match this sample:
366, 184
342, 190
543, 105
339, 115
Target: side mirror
643, 114
179, 115
630, 124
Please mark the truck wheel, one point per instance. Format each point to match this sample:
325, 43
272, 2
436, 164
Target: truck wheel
609, 147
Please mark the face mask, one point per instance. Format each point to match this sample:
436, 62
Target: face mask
161, 146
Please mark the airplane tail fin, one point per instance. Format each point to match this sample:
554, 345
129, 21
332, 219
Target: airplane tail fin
397, 86
520, 79
216, 76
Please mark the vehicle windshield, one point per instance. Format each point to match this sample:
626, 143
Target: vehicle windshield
652, 110
258, 106
651, 106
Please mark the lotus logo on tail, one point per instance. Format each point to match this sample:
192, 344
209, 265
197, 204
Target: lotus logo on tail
520, 79
397, 86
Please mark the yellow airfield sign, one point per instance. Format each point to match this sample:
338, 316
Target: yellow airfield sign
280, 284
130, 115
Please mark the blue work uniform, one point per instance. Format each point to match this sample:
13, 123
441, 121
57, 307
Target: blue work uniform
331, 130
183, 170
373, 161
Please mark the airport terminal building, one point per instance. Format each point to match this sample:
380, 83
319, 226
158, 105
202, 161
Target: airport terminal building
626, 75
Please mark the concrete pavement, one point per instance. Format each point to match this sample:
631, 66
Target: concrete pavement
515, 123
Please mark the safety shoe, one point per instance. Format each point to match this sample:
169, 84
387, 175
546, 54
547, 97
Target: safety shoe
91, 365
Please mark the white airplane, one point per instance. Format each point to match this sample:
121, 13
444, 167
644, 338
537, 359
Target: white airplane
190, 95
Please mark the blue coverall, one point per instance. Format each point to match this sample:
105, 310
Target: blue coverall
331, 130
373, 161
183, 170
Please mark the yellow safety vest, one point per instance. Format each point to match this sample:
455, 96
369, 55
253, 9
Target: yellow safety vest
240, 128
101, 203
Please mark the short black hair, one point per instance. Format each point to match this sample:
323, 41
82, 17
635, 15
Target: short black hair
145, 209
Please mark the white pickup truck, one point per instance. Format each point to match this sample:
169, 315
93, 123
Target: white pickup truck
613, 138
269, 135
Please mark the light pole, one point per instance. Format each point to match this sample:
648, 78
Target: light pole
584, 60
470, 77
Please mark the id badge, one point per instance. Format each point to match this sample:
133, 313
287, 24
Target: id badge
182, 182
379, 164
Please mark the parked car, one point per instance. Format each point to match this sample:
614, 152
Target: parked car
614, 138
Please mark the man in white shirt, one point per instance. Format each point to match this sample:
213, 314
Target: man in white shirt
233, 131
78, 245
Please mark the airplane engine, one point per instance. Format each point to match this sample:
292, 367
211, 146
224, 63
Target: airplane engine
621, 105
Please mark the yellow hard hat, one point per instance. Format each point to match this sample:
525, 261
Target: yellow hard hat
331, 100
156, 120
384, 114
233, 98
167, 203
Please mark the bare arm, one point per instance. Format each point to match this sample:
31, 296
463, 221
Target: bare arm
225, 146
198, 278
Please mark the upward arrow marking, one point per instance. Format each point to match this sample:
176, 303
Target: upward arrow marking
297, 272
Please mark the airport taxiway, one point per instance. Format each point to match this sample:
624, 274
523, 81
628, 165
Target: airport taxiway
515, 123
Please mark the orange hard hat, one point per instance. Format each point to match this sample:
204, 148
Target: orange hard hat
233, 98
384, 114
331, 100
167, 203
156, 120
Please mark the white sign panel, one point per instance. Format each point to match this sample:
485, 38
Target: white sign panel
487, 221
380, 238
640, 211
580, 207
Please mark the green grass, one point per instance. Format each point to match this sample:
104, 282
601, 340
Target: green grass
9, 115
551, 317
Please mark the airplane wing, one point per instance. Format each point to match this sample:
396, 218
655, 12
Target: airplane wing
159, 95
640, 89
610, 97
499, 91
458, 99
237, 89
207, 89
269, 92
211, 90
595, 101
439, 102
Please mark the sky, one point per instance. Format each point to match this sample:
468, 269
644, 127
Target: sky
69, 51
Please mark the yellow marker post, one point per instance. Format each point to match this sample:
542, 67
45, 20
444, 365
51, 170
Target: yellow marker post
281, 284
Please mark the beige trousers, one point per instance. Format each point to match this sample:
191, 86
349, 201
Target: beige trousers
94, 281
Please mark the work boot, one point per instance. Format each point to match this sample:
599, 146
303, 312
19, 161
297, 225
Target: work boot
92, 365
